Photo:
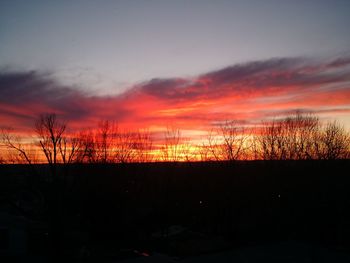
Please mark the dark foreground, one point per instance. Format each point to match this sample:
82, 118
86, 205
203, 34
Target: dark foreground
290, 211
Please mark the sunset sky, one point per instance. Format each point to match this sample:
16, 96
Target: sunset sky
188, 64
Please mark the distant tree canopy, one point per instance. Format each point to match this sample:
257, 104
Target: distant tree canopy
302, 137
295, 137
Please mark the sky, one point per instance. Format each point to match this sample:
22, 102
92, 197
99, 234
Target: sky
190, 64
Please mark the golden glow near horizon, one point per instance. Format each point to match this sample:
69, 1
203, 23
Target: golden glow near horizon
229, 142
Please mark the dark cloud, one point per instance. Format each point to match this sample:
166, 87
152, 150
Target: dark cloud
164, 88
34, 93
19, 87
257, 76
251, 69
280, 72
339, 62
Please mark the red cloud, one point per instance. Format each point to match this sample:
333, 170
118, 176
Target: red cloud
247, 92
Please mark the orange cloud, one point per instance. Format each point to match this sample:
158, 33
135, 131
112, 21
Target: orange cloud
248, 92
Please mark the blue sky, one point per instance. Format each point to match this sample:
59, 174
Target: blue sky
105, 47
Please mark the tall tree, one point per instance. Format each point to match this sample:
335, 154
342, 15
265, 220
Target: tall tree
234, 139
334, 142
50, 132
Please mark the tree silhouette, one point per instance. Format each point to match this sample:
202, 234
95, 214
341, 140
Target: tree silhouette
50, 132
124, 150
104, 140
142, 146
334, 142
12, 142
294, 137
171, 148
70, 148
234, 137
229, 142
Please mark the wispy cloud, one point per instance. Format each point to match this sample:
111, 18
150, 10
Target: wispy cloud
248, 91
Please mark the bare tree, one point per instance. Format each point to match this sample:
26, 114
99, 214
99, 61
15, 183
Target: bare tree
228, 142
255, 142
334, 142
13, 142
50, 132
171, 149
96, 146
125, 149
104, 140
143, 146
234, 137
88, 150
188, 151
204, 152
109, 144
291, 138
299, 131
213, 145
70, 148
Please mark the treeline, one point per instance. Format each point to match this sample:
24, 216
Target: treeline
296, 137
